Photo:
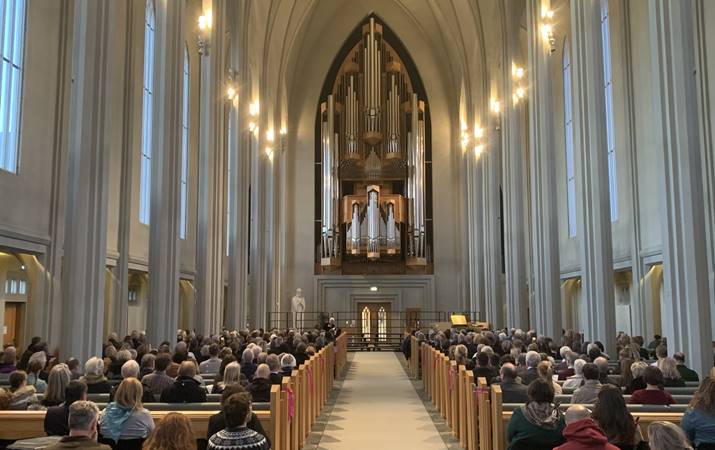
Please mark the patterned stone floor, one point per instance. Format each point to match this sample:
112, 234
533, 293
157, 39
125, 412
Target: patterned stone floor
377, 406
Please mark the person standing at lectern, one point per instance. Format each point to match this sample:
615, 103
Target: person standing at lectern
298, 309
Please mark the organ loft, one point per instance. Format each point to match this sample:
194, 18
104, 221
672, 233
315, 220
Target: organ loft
373, 203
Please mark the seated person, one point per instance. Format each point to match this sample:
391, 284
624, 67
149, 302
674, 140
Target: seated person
125, 418
57, 381
546, 371
300, 354
8, 360
34, 369
260, 387
57, 416
653, 394
671, 376
158, 380
248, 368
513, 391
274, 365
576, 380
483, 368
75, 368
699, 420
148, 363
667, 436
685, 373
582, 432
130, 369
288, 363
186, 389
570, 358
588, 393
538, 424
638, 381
237, 436
94, 377
82, 425
217, 422
23, 396
614, 419
531, 373
212, 364
173, 432
231, 375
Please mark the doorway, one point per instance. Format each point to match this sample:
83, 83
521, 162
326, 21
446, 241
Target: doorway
374, 320
13, 320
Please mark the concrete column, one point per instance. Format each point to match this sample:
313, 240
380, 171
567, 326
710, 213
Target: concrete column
686, 303
514, 178
211, 247
546, 290
591, 159
86, 217
163, 305
491, 161
514, 167
240, 180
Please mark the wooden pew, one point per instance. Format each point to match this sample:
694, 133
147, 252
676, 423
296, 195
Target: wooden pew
463, 398
472, 417
485, 414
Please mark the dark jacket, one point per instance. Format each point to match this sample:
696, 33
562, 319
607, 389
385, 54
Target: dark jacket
300, 359
585, 434
276, 378
217, 422
688, 374
513, 392
100, 387
248, 370
523, 434
487, 372
260, 390
529, 375
147, 395
78, 442
184, 390
56, 421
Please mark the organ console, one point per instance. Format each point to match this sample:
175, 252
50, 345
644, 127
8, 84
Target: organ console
374, 163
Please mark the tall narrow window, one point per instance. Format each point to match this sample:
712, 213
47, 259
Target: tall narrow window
365, 322
610, 128
568, 143
184, 148
382, 324
147, 114
12, 40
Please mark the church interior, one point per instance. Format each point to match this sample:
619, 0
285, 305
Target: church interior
435, 220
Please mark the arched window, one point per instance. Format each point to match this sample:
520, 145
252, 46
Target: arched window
382, 324
610, 127
184, 148
12, 20
366, 322
568, 142
147, 114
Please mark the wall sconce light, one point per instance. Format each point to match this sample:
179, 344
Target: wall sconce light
478, 140
547, 28
231, 92
495, 106
251, 126
270, 135
254, 108
517, 72
202, 39
269, 153
283, 131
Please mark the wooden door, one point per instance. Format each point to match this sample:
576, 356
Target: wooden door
375, 320
413, 319
12, 322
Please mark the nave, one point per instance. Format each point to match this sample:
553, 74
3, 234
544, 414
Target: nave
378, 407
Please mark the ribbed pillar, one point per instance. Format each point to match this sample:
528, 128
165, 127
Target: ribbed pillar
211, 245
514, 179
163, 312
239, 180
545, 287
591, 158
686, 303
86, 213
491, 160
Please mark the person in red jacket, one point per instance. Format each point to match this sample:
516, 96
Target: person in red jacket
582, 432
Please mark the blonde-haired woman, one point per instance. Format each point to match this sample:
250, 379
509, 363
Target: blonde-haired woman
670, 372
125, 418
174, 432
231, 375
60, 376
667, 436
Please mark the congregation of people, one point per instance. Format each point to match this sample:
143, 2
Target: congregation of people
532, 370
240, 366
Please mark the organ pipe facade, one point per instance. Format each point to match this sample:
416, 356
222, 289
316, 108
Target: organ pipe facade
373, 161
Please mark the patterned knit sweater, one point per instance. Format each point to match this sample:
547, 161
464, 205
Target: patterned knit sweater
240, 438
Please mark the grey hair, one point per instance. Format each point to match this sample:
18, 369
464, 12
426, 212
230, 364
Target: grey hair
667, 436
638, 369
148, 360
124, 356
288, 360
247, 356
82, 414
578, 366
94, 366
532, 359
130, 369
9, 355
57, 381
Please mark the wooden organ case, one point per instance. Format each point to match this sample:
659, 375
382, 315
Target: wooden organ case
373, 161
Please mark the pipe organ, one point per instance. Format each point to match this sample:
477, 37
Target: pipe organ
374, 163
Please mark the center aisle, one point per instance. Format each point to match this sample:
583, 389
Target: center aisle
378, 408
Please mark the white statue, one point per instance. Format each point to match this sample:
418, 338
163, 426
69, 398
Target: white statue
298, 308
